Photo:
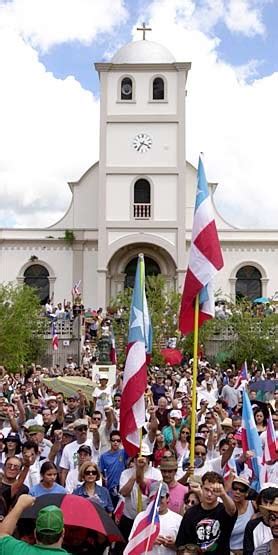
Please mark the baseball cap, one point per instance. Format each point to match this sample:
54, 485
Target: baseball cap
35, 429
69, 418
154, 487
80, 422
85, 449
175, 414
50, 520
73, 396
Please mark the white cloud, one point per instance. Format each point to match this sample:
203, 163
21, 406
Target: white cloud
48, 135
240, 16
232, 121
50, 22
244, 18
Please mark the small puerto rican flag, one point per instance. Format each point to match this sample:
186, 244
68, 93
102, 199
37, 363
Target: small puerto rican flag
55, 340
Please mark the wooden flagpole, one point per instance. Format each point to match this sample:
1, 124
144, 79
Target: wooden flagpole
194, 383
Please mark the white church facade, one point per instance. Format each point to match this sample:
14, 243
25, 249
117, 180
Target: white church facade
139, 197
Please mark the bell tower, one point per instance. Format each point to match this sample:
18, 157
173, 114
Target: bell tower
142, 181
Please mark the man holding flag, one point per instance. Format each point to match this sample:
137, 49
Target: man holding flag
155, 529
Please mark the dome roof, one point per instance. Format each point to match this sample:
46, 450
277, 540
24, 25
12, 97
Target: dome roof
143, 52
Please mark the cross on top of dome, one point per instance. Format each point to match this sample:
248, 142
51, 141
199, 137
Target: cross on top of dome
144, 29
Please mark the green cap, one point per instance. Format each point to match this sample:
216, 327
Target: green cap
50, 520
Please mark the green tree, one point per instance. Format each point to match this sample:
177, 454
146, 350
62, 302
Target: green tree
163, 308
21, 326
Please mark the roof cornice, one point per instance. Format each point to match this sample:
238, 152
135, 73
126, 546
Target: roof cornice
175, 66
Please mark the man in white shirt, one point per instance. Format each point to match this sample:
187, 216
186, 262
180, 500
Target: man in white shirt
69, 458
168, 520
140, 476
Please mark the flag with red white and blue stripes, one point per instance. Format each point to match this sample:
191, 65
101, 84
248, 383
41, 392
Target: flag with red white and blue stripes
145, 531
205, 259
132, 408
54, 335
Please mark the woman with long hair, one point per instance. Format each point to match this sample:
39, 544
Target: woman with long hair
88, 475
48, 482
260, 420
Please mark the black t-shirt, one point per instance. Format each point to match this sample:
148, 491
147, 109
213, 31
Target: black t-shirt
6, 499
210, 529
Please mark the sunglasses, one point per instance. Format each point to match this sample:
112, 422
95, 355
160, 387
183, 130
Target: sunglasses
13, 466
96, 418
82, 429
273, 517
91, 473
114, 440
239, 488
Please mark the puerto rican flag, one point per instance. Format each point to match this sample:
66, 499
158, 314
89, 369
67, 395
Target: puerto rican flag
205, 259
145, 530
270, 446
76, 288
55, 340
132, 409
243, 375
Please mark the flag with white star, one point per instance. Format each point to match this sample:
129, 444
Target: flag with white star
132, 410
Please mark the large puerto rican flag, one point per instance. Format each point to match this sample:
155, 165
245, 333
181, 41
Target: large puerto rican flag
205, 259
132, 409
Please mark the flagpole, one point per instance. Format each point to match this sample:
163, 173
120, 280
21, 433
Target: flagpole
194, 383
153, 517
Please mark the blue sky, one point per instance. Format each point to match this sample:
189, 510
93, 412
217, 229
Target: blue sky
234, 48
49, 97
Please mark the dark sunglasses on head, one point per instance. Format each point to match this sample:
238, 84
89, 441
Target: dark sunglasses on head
91, 473
241, 489
82, 429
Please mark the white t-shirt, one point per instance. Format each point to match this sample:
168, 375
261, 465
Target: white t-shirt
69, 459
169, 526
210, 465
130, 509
103, 398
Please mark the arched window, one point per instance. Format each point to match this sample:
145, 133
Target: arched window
37, 276
158, 88
248, 283
151, 269
126, 89
142, 199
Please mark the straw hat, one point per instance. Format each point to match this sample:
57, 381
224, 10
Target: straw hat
269, 508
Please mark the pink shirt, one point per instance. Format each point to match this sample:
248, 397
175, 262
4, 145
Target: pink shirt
176, 495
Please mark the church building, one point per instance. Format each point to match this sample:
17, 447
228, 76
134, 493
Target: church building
139, 197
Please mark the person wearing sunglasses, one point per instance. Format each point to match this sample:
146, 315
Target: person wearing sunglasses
270, 514
111, 464
245, 510
89, 475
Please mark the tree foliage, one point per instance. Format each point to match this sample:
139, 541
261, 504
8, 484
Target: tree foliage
163, 308
21, 326
245, 335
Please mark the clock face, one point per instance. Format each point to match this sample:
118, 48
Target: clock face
142, 142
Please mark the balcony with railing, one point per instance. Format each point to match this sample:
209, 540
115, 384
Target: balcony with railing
141, 211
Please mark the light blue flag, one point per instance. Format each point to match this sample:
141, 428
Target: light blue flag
251, 437
140, 328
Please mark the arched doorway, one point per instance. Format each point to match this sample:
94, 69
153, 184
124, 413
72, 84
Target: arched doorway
248, 283
37, 276
151, 269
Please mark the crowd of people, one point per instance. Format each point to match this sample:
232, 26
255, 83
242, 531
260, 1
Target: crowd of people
51, 443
